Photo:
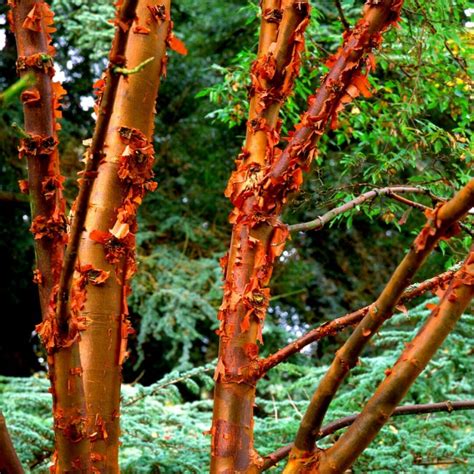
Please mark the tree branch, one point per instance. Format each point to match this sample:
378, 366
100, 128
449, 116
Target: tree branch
441, 224
403, 374
447, 406
9, 462
124, 20
6, 196
332, 327
321, 221
342, 17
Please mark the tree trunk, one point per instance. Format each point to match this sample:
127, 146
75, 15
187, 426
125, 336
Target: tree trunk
106, 259
32, 22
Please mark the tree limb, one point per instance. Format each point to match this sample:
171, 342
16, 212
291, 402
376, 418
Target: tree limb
448, 406
441, 224
321, 221
332, 327
124, 20
403, 374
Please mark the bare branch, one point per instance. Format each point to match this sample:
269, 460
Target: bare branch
403, 374
441, 224
320, 222
6, 196
342, 17
339, 324
447, 406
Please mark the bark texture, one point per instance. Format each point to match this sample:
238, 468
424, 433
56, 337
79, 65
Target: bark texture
255, 240
32, 23
399, 379
106, 257
259, 188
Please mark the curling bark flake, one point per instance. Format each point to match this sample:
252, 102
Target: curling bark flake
107, 245
260, 187
255, 240
32, 23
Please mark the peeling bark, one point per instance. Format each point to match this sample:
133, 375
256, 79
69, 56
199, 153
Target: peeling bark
107, 245
32, 23
259, 189
255, 240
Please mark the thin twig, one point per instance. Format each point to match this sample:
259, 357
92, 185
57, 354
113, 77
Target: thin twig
342, 17
321, 221
447, 406
157, 388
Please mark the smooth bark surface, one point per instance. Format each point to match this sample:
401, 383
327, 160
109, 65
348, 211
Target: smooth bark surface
399, 379
425, 408
442, 223
9, 462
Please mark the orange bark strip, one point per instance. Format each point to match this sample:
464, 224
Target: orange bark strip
125, 17
255, 241
441, 223
107, 246
32, 22
332, 327
411, 363
9, 462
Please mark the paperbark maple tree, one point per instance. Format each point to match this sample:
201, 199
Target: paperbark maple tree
85, 262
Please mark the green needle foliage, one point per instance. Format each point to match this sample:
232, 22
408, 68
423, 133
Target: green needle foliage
163, 433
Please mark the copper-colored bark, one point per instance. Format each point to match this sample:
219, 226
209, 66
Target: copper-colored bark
441, 224
259, 188
32, 22
125, 15
327, 430
255, 242
106, 258
9, 462
399, 379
